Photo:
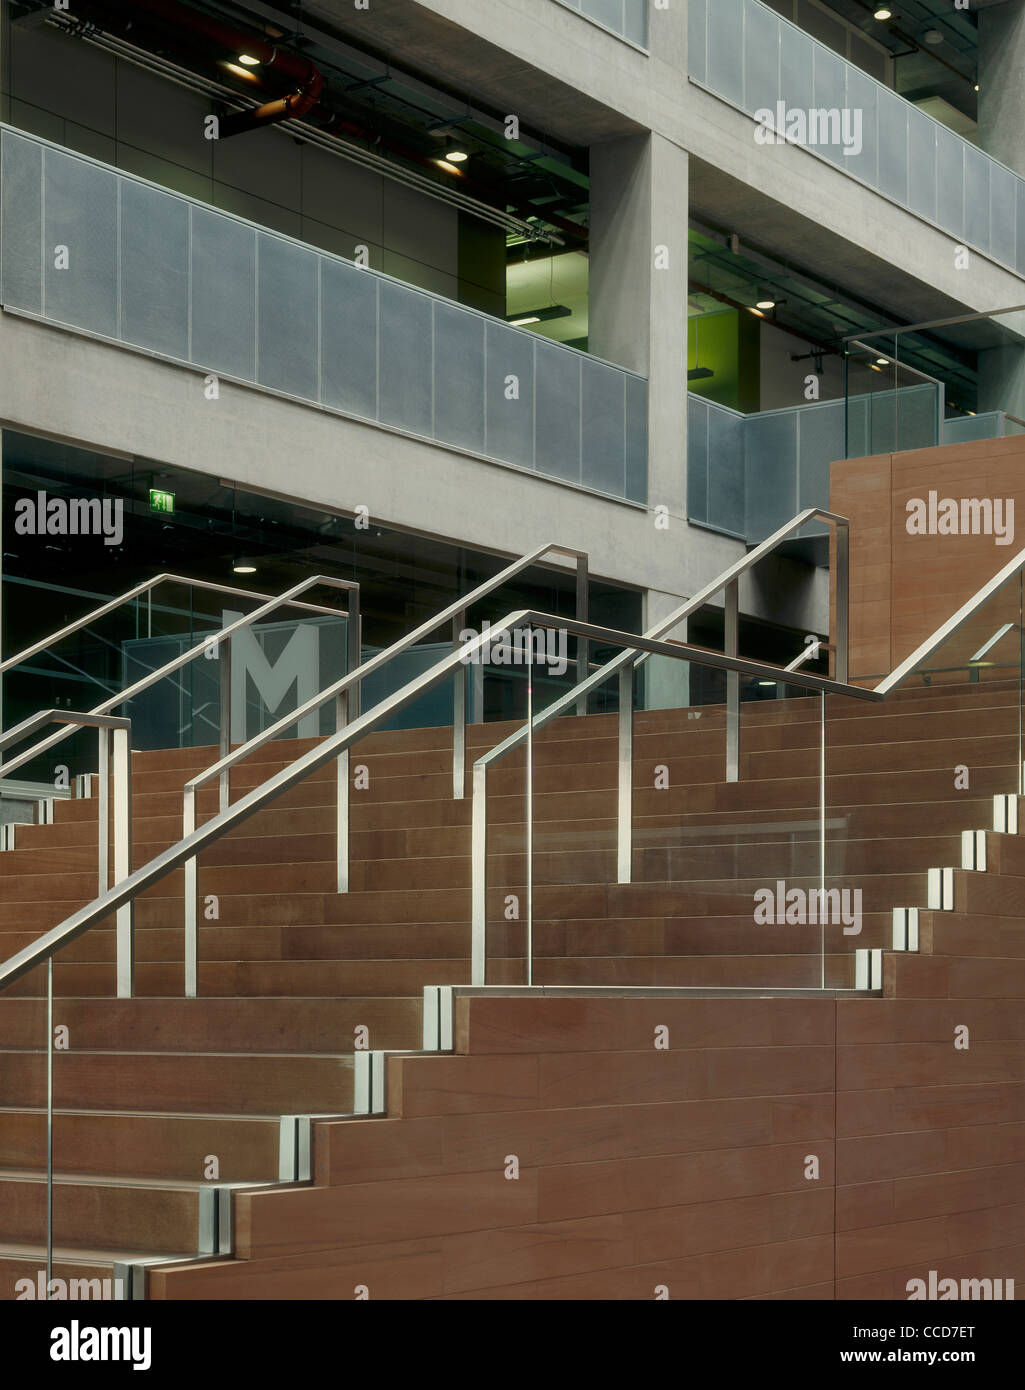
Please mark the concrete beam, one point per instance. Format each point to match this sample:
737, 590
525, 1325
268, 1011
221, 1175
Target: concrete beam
96, 395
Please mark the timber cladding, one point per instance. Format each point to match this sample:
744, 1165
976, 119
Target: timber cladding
906, 583
687, 1167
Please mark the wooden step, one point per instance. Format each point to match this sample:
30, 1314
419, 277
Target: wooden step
140, 1144
225, 1083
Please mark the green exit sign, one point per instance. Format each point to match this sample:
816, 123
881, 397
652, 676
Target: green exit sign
161, 501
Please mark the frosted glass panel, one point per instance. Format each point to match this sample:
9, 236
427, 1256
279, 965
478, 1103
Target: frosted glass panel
510, 395
80, 243
697, 458
121, 258
603, 422
903, 153
288, 317
154, 270
725, 51
557, 394
459, 377
348, 338
761, 58
223, 294
976, 176
21, 187
405, 358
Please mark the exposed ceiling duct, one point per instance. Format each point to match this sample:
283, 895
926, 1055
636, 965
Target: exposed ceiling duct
95, 20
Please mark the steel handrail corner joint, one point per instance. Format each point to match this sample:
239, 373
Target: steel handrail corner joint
233, 815
107, 727
345, 694
203, 647
627, 661
733, 666
227, 819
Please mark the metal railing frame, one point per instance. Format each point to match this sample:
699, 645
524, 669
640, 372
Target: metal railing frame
119, 731
202, 648
227, 819
627, 662
345, 694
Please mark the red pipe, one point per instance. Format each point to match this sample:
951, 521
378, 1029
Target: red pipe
174, 18
307, 76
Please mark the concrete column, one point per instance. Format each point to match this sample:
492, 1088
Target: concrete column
638, 294
1002, 380
666, 682
1001, 88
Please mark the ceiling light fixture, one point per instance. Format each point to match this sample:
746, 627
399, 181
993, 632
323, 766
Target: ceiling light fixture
248, 61
552, 311
883, 13
933, 36
457, 156
765, 304
243, 566
882, 361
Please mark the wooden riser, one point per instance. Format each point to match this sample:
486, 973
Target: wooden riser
163, 1219
152, 1086
224, 1083
126, 1144
313, 1025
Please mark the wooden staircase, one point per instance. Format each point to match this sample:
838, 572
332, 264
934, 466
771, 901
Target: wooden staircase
150, 1091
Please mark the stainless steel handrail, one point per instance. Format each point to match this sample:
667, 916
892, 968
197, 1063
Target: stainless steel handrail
233, 815
211, 644
627, 661
345, 693
121, 729
112, 604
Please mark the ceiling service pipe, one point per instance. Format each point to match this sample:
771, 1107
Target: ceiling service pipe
306, 75
178, 19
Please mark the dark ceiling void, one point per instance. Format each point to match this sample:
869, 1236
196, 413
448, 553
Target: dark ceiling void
934, 46
344, 95
821, 314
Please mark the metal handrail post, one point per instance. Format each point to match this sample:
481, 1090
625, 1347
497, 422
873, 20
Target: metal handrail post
624, 818
342, 804
122, 739
732, 623
529, 826
224, 742
191, 899
103, 808
583, 614
842, 602
458, 714
479, 890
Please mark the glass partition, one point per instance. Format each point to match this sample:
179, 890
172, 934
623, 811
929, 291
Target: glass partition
889, 405
171, 276
908, 779
805, 93
274, 666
